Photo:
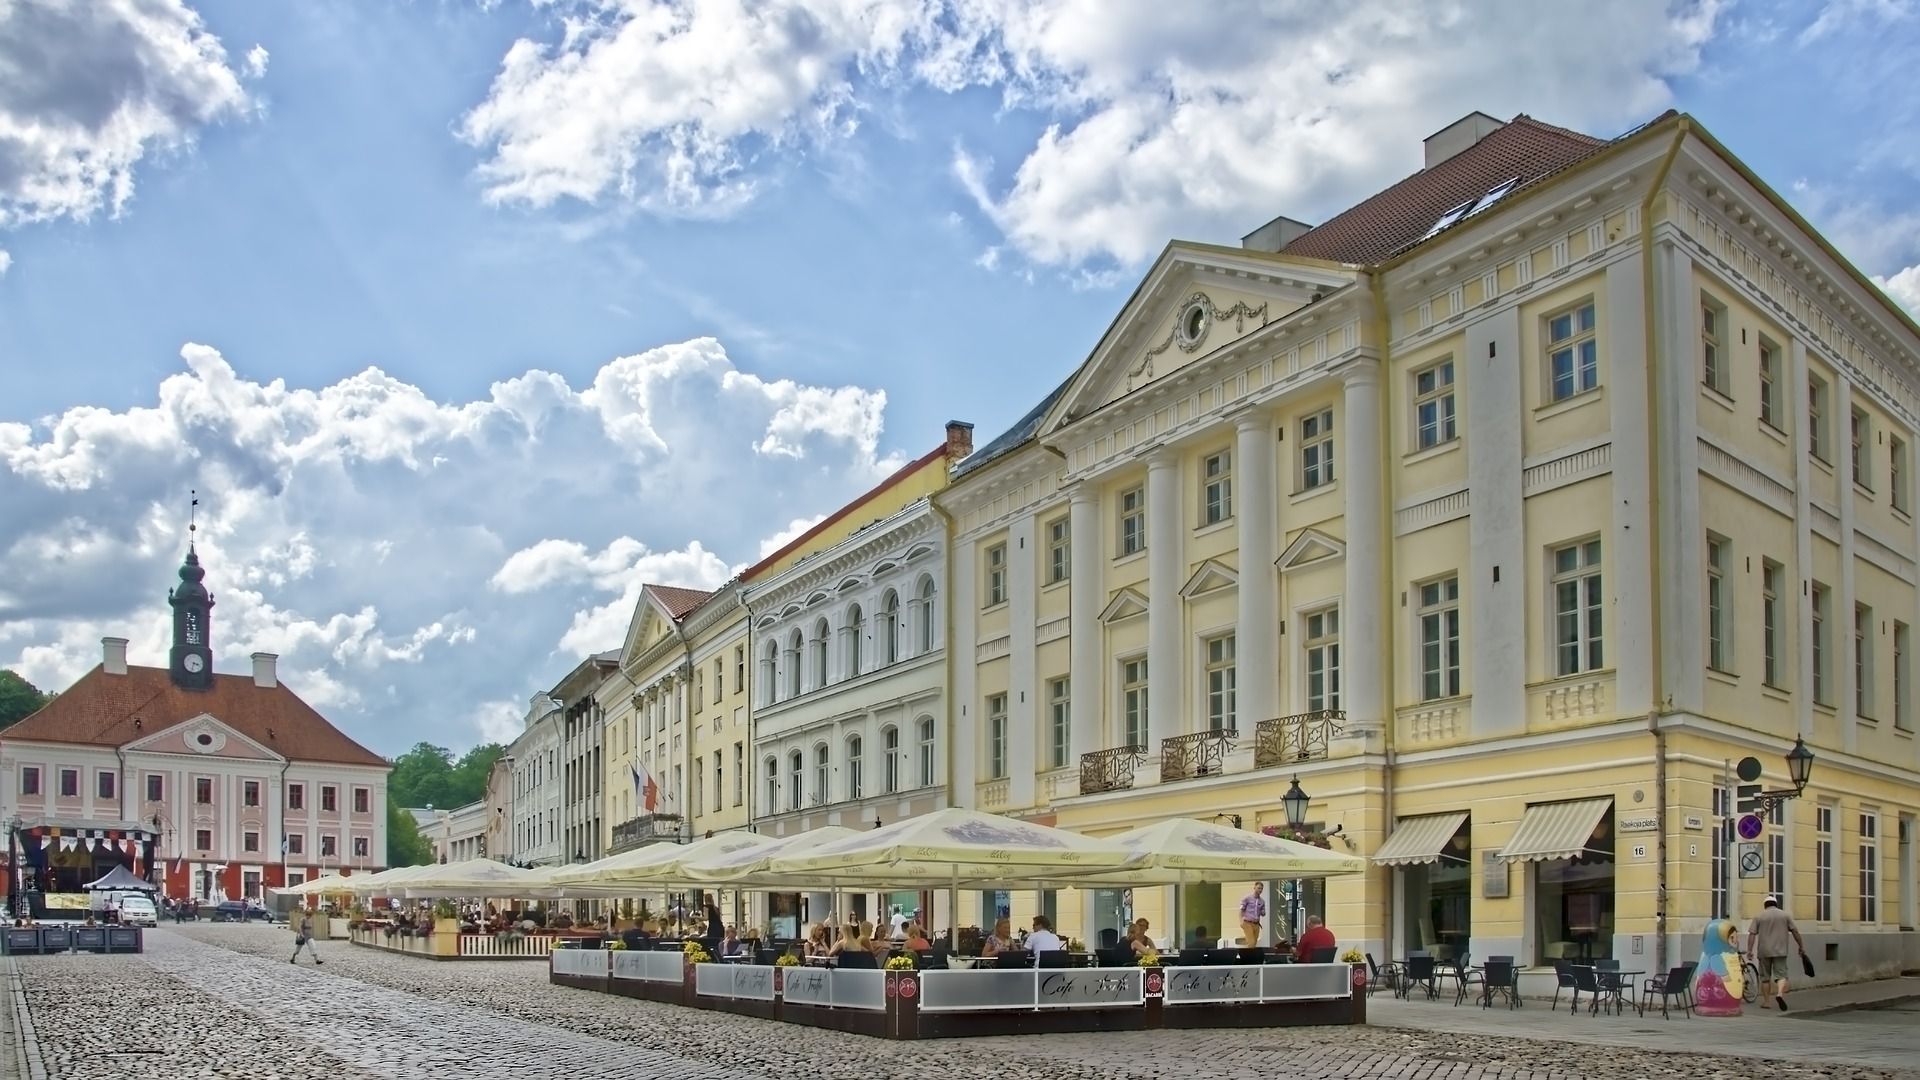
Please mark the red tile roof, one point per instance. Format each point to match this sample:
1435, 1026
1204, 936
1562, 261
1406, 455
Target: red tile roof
100, 710
679, 602
1399, 217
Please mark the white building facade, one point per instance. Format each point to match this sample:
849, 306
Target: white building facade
536, 785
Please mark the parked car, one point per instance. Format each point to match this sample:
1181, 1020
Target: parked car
137, 911
240, 911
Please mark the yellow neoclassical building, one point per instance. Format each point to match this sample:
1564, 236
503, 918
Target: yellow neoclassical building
1504, 511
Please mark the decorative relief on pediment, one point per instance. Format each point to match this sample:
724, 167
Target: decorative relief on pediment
1191, 324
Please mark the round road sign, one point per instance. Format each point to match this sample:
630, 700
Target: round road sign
1750, 826
1748, 770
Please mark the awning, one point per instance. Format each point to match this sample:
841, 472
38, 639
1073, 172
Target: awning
1555, 830
1419, 839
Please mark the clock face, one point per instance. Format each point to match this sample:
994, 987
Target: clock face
193, 663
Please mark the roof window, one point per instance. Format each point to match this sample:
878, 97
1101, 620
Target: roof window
1472, 206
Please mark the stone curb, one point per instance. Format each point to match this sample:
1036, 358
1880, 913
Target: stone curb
24, 1061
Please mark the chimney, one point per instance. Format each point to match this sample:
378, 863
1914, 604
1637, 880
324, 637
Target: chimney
113, 655
1275, 235
1459, 136
959, 439
263, 673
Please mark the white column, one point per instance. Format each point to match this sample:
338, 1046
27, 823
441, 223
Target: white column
1494, 583
1087, 637
1256, 625
1802, 539
1630, 539
1023, 681
1682, 636
962, 732
1363, 682
1166, 527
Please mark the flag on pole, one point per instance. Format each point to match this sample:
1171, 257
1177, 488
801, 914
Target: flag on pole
644, 787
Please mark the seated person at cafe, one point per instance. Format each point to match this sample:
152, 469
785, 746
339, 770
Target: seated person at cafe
1000, 940
1043, 939
849, 941
1138, 939
730, 944
879, 947
1316, 936
1200, 939
817, 943
917, 939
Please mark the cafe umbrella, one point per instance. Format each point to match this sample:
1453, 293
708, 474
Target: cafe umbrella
1185, 851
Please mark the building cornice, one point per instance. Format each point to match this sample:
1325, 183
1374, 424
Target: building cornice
894, 536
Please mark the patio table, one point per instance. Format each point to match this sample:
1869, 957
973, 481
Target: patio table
1612, 983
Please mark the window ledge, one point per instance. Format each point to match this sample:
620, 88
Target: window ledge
1569, 403
1052, 585
1867, 721
1725, 678
1773, 433
1863, 490
1777, 693
1902, 513
1218, 526
1122, 559
1718, 396
1428, 453
1823, 707
993, 607
1303, 494
1819, 462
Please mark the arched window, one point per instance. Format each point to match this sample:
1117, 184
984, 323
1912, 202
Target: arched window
923, 632
890, 628
822, 774
853, 766
819, 647
770, 677
793, 665
773, 785
796, 778
926, 751
856, 632
890, 761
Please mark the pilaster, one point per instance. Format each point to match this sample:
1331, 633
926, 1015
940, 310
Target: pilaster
1087, 637
1256, 624
1802, 540
963, 730
1632, 536
1023, 734
1682, 543
1363, 682
1840, 623
1165, 612
1495, 592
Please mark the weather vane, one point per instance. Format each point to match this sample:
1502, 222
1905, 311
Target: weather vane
193, 515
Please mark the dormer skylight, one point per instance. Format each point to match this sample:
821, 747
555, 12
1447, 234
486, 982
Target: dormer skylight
1472, 206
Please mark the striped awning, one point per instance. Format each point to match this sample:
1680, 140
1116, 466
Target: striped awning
1419, 839
1555, 830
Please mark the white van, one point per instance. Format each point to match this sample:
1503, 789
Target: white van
137, 910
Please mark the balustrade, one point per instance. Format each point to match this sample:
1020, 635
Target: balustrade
1203, 753
1301, 737
1110, 769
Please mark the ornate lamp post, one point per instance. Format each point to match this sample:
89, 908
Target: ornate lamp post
1295, 802
1799, 770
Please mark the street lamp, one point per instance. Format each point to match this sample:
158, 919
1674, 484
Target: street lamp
1799, 765
1295, 802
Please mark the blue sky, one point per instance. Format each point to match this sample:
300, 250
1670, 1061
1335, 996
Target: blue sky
467, 318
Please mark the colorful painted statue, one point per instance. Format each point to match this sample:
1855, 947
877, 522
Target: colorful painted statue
1717, 985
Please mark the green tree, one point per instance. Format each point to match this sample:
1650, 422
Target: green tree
469, 781
421, 776
20, 699
405, 845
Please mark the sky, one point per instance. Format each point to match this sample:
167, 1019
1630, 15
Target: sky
466, 318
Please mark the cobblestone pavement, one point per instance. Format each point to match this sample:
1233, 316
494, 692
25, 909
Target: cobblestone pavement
221, 1001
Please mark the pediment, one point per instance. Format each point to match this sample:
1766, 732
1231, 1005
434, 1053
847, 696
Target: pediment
1211, 577
651, 622
204, 735
1310, 548
1126, 604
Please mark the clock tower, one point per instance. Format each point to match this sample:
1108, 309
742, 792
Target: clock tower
190, 663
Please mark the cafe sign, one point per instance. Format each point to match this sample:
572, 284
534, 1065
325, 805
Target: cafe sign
1212, 984
1090, 988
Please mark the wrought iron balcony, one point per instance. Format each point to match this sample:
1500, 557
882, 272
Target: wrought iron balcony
1301, 737
1203, 753
1110, 769
643, 830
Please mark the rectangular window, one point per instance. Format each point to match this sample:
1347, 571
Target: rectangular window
1822, 684
1771, 413
719, 679
362, 801
156, 787
1133, 700
925, 750
1771, 574
740, 669
203, 839
1860, 440
1573, 355
69, 783
1823, 865
104, 785
1440, 639
1323, 659
250, 793
1433, 409
699, 691
329, 799
996, 574
1863, 661
1216, 488
1897, 473
1902, 686
1817, 418
29, 780
360, 847
1221, 678
1869, 867
296, 796
1059, 723
719, 780
1133, 521
296, 844
1719, 649
773, 786
1713, 352
1777, 854
1316, 450
1576, 609
203, 791
1059, 550
996, 736
739, 773
1722, 837
249, 841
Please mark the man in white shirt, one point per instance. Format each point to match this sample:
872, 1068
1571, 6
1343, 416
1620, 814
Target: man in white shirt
898, 924
1043, 939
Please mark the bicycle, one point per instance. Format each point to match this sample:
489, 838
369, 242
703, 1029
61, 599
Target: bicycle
1750, 981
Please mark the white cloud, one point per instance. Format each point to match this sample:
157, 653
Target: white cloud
256, 63
1161, 126
1904, 287
90, 89
499, 721
789, 534
1836, 15
410, 559
6, 262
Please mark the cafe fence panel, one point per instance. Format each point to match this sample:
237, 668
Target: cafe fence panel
859, 990
1258, 983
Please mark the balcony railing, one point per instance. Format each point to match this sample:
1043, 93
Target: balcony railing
1109, 770
643, 830
1203, 753
1302, 737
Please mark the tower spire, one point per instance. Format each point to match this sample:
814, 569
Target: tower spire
190, 663
193, 516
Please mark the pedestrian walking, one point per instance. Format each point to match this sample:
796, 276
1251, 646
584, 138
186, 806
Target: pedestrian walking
1253, 907
303, 939
1767, 941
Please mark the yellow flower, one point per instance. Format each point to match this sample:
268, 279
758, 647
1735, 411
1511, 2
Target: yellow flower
900, 963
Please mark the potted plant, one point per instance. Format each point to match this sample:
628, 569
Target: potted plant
900, 963
696, 953
446, 917
786, 960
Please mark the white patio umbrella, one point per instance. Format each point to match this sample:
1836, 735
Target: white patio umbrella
1185, 851
384, 882
950, 847
665, 864
747, 866
320, 886
471, 878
